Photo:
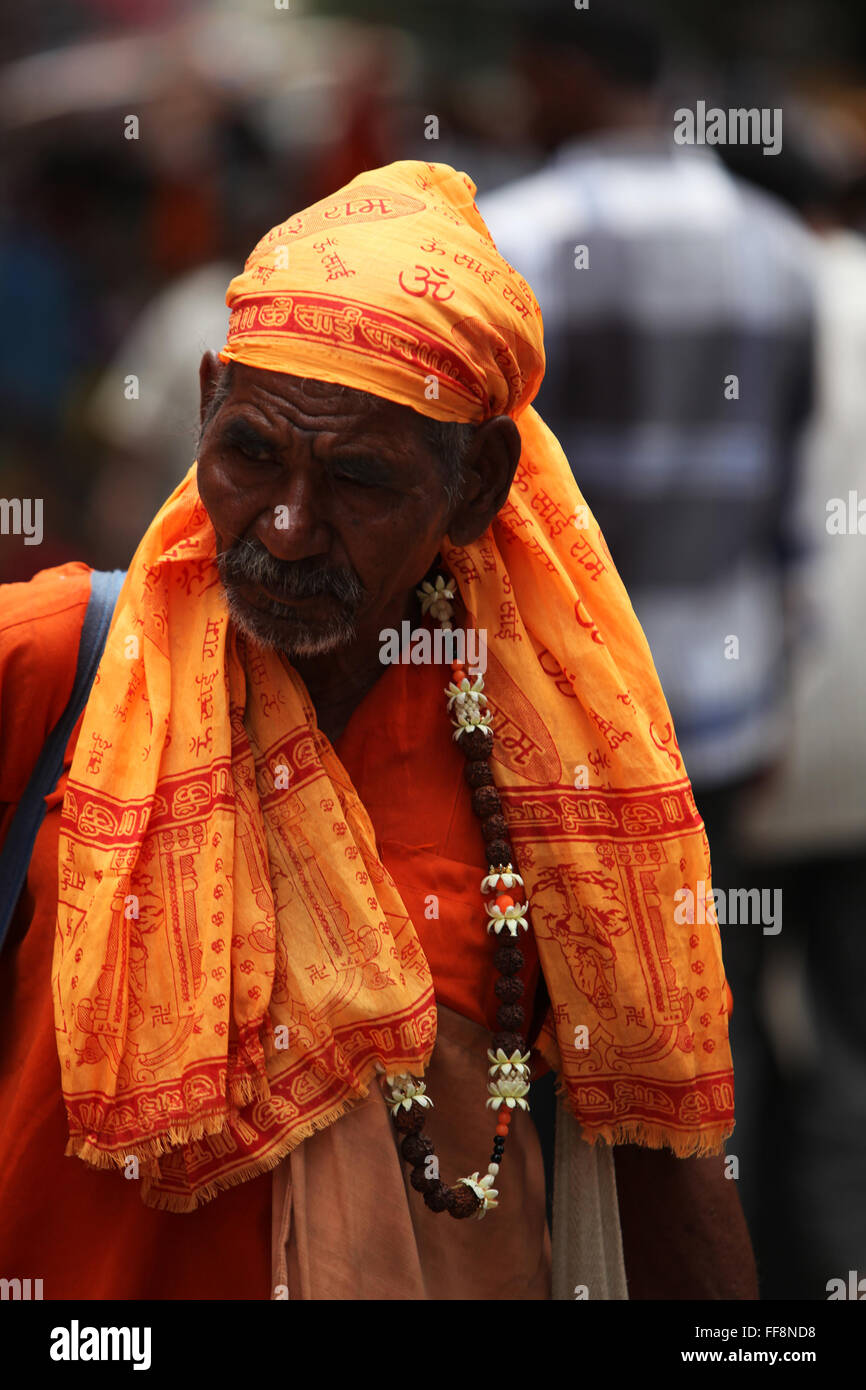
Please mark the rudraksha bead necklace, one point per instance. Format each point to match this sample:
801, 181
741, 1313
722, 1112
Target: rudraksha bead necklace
506, 903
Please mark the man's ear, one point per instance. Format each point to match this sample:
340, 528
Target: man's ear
488, 469
209, 372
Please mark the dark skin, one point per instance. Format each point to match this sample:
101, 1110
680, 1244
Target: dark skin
683, 1230
362, 494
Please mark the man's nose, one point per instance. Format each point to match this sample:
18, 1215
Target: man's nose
293, 526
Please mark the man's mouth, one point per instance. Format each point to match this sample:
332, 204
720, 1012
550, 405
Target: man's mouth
301, 625
304, 622
262, 598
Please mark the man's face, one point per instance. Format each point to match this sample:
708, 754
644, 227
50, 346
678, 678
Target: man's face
328, 508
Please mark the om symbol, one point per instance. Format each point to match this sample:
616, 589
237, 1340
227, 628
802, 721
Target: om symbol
431, 280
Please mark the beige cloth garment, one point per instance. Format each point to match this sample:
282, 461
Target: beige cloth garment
347, 1223
587, 1239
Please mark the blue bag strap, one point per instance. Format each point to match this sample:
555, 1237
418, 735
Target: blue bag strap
105, 587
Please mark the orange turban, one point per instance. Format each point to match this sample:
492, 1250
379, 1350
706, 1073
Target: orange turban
393, 286
189, 1035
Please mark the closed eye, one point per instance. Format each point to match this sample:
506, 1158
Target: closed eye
364, 472
240, 438
361, 472
343, 477
259, 456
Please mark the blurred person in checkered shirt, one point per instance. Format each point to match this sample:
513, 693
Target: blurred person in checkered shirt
678, 305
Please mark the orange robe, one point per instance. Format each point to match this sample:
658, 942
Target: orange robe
87, 1234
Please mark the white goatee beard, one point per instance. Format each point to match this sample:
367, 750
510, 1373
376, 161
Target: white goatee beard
307, 640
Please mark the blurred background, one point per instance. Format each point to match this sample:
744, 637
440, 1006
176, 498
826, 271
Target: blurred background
705, 315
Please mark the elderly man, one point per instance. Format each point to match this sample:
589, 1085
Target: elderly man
322, 915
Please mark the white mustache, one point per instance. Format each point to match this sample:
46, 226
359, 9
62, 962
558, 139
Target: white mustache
248, 563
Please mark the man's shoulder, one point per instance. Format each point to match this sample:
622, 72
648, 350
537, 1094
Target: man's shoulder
34, 608
40, 629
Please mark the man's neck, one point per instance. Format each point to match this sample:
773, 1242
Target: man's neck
338, 681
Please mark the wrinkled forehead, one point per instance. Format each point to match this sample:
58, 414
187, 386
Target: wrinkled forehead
309, 403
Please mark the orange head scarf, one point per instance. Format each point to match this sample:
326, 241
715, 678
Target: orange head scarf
196, 884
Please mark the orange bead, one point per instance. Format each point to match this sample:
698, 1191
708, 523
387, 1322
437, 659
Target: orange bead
501, 1131
505, 1116
504, 901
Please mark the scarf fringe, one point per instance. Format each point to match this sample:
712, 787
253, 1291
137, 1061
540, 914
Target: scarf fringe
648, 1134
705, 1144
147, 1151
161, 1200
246, 1090
182, 1203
